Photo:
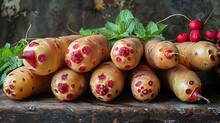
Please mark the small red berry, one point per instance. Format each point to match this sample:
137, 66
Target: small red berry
183, 37
195, 35
211, 34
196, 25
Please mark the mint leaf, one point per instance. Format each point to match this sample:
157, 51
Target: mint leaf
111, 26
161, 28
124, 15
88, 32
160, 36
151, 27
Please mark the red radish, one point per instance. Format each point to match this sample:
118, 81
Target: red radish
46, 55
196, 25
22, 83
107, 81
185, 83
161, 54
183, 37
218, 36
68, 85
126, 53
202, 55
195, 36
86, 53
145, 85
211, 34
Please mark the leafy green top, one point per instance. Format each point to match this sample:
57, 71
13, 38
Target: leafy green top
8, 58
127, 25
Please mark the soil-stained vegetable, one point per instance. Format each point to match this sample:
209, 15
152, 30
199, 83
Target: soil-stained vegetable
22, 83
86, 53
46, 55
126, 53
185, 83
202, 55
161, 54
107, 81
145, 85
68, 85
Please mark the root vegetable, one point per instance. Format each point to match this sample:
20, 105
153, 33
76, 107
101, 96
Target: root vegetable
22, 83
218, 36
183, 37
46, 55
68, 85
202, 55
196, 25
161, 54
145, 85
211, 34
126, 53
87, 52
185, 83
195, 35
107, 81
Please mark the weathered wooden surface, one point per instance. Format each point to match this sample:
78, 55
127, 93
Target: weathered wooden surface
50, 17
166, 108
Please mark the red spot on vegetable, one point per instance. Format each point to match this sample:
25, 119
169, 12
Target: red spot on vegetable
13, 95
142, 95
14, 81
132, 51
64, 76
150, 90
191, 82
11, 74
73, 85
128, 44
168, 54
56, 90
188, 91
152, 95
111, 83
145, 91
75, 46
41, 57
22, 71
138, 84
118, 59
32, 44
212, 57
116, 48
11, 86
127, 66
109, 95
63, 88
142, 87
194, 96
124, 51
139, 90
210, 51
129, 58
29, 56
161, 49
77, 57
150, 83
67, 51
82, 68
86, 50
101, 89
69, 96
102, 77
68, 63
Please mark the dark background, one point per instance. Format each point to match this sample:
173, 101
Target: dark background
50, 17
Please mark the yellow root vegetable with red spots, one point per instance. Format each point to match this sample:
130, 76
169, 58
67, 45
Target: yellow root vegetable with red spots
126, 53
145, 85
202, 55
161, 54
22, 83
86, 53
107, 81
185, 83
46, 55
68, 85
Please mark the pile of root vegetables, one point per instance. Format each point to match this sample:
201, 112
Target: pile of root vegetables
69, 65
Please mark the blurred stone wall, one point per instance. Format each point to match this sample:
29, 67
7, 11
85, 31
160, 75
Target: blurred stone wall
50, 17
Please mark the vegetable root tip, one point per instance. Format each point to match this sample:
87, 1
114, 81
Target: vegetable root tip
204, 98
175, 53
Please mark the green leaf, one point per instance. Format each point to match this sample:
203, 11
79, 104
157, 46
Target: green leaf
7, 45
130, 24
139, 29
124, 15
122, 27
88, 32
7, 52
161, 27
111, 26
160, 36
151, 27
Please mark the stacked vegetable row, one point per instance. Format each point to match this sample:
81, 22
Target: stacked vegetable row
67, 65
